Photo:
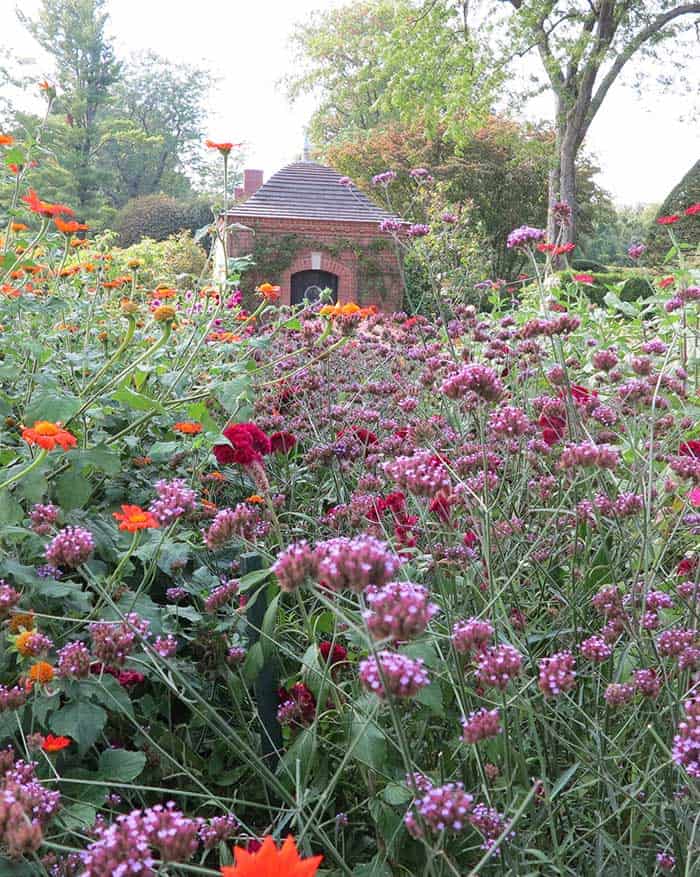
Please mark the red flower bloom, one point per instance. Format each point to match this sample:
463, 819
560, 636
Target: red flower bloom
691, 448
693, 210
36, 205
553, 429
282, 442
269, 861
694, 497
248, 444
133, 518
55, 744
332, 653
365, 436
584, 278
668, 220
224, 148
666, 282
581, 395
687, 566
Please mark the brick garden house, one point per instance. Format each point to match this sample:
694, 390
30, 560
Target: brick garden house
308, 229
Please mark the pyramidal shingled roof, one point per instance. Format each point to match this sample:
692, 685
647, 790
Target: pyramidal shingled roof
308, 190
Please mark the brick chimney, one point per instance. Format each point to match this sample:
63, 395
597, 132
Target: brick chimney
252, 180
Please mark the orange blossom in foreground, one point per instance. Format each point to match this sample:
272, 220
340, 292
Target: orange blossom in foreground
269, 861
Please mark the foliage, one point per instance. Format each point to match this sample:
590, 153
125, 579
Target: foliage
74, 34
119, 129
613, 230
175, 260
686, 192
157, 217
498, 172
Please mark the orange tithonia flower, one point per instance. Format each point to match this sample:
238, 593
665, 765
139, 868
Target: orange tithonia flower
132, 518
42, 672
164, 314
19, 226
269, 861
21, 621
21, 642
55, 744
347, 310
70, 227
268, 291
224, 148
36, 205
6, 139
47, 435
255, 498
187, 427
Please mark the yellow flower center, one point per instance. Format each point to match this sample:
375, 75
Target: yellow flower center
45, 427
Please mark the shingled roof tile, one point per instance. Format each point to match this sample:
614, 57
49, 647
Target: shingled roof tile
308, 190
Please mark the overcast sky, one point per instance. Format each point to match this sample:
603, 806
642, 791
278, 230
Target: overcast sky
641, 146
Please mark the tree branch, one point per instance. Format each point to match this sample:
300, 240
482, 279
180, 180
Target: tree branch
624, 56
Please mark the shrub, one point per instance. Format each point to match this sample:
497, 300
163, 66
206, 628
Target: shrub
177, 258
157, 217
685, 193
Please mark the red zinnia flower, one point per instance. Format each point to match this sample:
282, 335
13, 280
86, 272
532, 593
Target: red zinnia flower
55, 744
691, 448
248, 444
332, 653
584, 278
282, 442
133, 518
668, 220
666, 282
268, 861
693, 210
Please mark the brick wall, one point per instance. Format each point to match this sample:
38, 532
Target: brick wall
384, 290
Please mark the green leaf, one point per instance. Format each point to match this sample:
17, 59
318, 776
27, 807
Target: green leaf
121, 765
78, 816
80, 720
230, 394
11, 511
369, 743
614, 301
100, 458
47, 405
564, 780
137, 401
72, 490
396, 794
431, 696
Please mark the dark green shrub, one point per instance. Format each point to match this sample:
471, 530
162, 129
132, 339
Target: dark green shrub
635, 288
157, 217
589, 265
687, 230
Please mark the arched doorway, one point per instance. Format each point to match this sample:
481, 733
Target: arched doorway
308, 285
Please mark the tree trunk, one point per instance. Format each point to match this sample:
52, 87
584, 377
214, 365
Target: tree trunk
567, 187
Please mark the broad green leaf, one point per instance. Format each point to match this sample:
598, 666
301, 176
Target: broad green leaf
137, 401
80, 720
47, 405
11, 511
121, 765
72, 490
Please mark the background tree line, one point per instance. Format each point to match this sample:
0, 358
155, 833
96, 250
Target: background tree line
123, 144
442, 84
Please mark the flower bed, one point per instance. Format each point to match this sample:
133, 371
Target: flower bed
423, 595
